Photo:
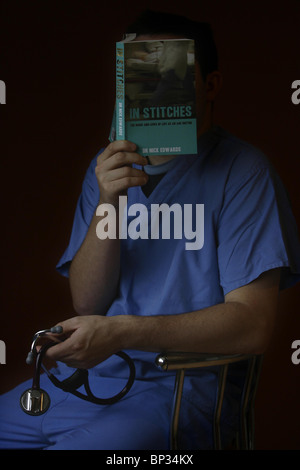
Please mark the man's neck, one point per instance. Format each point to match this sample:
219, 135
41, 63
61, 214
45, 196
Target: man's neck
159, 159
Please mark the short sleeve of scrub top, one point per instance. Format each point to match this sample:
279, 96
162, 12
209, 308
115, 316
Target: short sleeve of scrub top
84, 212
257, 231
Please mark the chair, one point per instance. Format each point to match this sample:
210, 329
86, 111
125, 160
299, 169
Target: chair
182, 361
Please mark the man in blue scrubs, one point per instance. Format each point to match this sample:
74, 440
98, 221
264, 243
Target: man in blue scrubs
148, 295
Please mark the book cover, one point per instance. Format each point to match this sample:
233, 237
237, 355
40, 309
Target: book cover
155, 96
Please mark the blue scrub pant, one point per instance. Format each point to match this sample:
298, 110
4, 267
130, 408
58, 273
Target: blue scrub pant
140, 421
72, 423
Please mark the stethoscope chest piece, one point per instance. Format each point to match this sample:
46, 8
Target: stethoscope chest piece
35, 402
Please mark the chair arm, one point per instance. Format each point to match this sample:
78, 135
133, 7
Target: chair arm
182, 360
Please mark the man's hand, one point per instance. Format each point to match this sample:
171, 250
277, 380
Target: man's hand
87, 341
114, 170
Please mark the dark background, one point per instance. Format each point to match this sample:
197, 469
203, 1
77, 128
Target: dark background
57, 59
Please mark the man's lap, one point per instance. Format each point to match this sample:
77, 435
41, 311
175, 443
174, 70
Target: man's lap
141, 420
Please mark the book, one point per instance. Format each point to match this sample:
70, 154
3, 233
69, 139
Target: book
155, 96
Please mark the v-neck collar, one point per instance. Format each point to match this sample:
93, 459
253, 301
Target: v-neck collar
181, 164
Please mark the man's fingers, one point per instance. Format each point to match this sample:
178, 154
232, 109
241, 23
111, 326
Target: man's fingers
118, 180
68, 325
117, 146
121, 185
61, 351
119, 160
124, 172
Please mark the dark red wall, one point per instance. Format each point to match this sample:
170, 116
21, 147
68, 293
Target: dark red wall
57, 59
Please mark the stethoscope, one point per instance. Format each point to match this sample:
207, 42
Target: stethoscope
36, 401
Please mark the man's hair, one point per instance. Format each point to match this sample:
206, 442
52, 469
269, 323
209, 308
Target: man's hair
152, 22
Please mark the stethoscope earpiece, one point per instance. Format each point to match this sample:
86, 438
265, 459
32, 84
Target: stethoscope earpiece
56, 329
30, 358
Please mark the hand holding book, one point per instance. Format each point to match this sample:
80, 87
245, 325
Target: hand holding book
115, 173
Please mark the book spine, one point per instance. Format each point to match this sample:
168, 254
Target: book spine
120, 92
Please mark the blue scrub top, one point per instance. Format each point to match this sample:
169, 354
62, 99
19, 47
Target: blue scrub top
249, 228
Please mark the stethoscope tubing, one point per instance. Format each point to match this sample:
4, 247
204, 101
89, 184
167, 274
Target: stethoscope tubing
80, 377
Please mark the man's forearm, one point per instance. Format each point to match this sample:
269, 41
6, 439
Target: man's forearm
225, 328
242, 324
94, 273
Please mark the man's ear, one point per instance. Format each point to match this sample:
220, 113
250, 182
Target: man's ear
214, 82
